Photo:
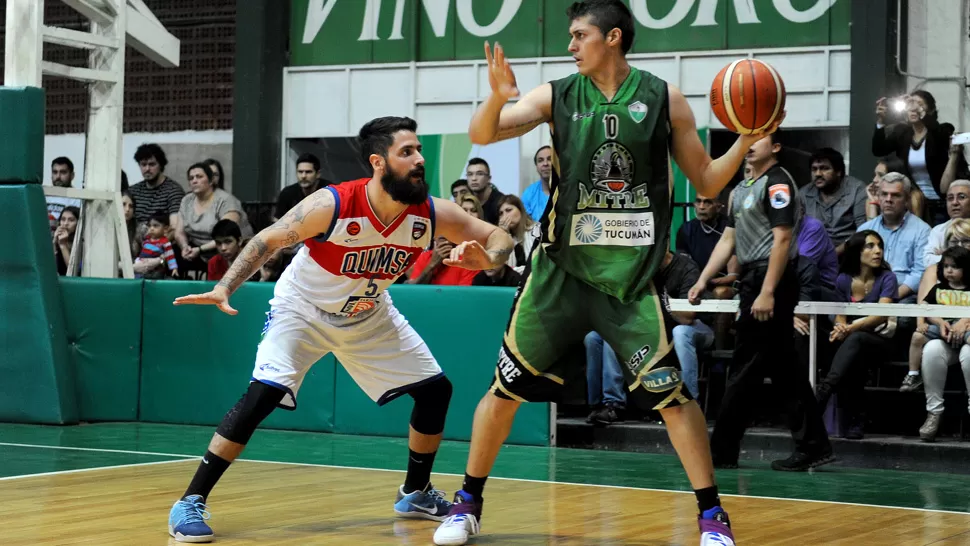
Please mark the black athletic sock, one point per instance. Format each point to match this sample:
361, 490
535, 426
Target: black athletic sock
210, 470
419, 471
707, 498
474, 486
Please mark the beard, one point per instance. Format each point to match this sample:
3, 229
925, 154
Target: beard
403, 190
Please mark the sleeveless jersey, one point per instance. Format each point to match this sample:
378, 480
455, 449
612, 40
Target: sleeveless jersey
608, 220
346, 270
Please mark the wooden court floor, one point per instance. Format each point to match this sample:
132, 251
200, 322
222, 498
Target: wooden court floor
87, 492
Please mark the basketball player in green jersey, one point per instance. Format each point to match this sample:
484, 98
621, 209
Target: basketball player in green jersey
604, 235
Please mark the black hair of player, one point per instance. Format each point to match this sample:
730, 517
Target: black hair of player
535, 158
377, 135
961, 260
832, 156
606, 15
226, 228
309, 158
148, 151
159, 216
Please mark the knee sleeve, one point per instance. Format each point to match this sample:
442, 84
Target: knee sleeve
255, 405
431, 406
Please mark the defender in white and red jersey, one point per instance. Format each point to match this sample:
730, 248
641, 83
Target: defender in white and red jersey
360, 237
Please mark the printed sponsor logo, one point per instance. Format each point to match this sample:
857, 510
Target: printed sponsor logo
577, 116
353, 228
269, 367
418, 230
358, 304
638, 359
779, 196
613, 229
507, 367
661, 379
379, 262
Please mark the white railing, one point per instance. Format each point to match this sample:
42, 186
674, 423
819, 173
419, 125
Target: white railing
815, 308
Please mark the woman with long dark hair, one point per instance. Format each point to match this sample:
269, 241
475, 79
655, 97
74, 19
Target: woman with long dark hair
864, 277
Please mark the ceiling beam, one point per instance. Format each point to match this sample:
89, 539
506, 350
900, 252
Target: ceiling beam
92, 9
75, 38
78, 73
151, 39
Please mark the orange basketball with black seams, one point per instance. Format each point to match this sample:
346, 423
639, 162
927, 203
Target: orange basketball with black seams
747, 96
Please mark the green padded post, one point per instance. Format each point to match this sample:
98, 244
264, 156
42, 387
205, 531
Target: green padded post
21, 135
38, 382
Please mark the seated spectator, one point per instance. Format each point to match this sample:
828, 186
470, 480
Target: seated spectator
956, 167
865, 277
957, 207
946, 340
525, 232
228, 239
836, 199
886, 165
157, 191
64, 238
156, 258
459, 188
814, 243
680, 273
307, 181
921, 142
905, 236
500, 276
479, 176
429, 267
273, 268
536, 196
218, 175
200, 211
604, 382
469, 203
62, 176
134, 236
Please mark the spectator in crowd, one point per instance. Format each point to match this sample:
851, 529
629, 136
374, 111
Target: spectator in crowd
815, 245
536, 196
273, 268
479, 176
199, 212
949, 340
459, 188
469, 203
218, 174
157, 191
886, 165
920, 141
957, 207
307, 181
865, 277
124, 181
228, 239
904, 234
956, 167
500, 276
698, 237
836, 199
680, 273
604, 382
134, 236
62, 176
64, 238
429, 267
513, 218
156, 257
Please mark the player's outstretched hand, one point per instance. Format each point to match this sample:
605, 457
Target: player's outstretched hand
500, 75
219, 297
470, 255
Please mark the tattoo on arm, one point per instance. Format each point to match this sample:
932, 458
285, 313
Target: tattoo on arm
518, 130
499, 246
247, 264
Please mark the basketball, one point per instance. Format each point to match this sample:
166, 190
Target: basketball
747, 96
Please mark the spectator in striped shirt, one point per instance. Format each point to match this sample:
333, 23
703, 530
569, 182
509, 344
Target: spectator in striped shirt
157, 257
157, 191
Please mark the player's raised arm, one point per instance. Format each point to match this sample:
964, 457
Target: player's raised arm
479, 245
708, 176
491, 121
309, 218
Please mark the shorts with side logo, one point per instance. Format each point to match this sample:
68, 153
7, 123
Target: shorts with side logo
378, 348
553, 310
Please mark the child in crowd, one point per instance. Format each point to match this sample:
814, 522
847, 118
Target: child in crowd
228, 239
156, 250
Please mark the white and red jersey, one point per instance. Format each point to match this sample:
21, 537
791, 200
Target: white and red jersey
346, 270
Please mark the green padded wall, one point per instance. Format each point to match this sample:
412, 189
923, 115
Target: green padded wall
197, 361
463, 327
38, 381
103, 324
21, 135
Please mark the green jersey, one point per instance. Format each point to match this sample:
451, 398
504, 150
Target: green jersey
608, 221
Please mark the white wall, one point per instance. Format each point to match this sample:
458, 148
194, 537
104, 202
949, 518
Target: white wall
939, 47
182, 149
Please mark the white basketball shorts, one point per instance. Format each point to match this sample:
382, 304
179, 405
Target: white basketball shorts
378, 348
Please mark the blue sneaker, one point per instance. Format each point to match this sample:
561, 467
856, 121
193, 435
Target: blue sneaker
428, 504
186, 521
715, 528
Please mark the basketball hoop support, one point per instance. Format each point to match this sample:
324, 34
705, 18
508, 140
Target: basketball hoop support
114, 23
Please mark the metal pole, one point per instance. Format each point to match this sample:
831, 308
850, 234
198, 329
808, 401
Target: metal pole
812, 340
